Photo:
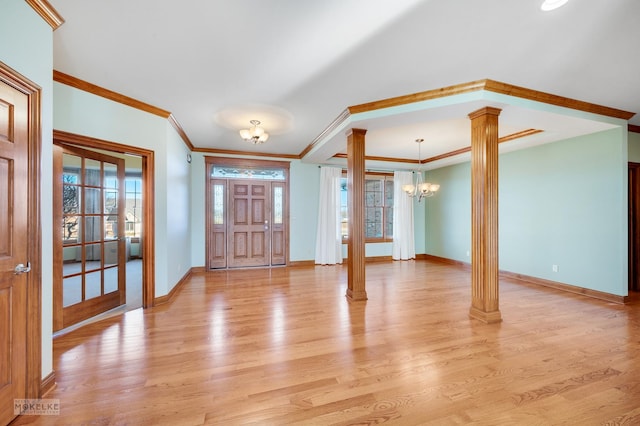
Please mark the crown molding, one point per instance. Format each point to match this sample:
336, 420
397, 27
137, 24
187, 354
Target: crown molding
386, 159
443, 92
174, 122
548, 98
47, 12
234, 152
633, 128
503, 139
496, 87
69, 80
344, 116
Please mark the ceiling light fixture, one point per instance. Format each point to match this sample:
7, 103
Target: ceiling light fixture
548, 5
255, 134
420, 189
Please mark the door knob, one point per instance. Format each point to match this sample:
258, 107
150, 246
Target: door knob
21, 269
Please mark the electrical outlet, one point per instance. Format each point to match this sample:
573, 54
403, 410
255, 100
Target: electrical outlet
468, 253
554, 268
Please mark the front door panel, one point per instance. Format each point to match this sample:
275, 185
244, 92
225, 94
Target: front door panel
249, 241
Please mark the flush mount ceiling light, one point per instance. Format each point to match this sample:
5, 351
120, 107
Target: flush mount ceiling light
255, 134
420, 189
548, 5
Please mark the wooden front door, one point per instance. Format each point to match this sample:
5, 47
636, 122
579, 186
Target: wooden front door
89, 256
14, 263
249, 225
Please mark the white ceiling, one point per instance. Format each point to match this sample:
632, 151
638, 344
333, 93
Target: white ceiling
296, 65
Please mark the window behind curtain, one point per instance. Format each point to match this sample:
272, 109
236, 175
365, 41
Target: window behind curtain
378, 203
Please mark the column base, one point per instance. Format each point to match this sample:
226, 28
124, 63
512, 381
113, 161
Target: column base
485, 317
355, 296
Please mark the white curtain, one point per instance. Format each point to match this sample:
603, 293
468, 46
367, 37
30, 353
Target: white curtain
404, 246
328, 237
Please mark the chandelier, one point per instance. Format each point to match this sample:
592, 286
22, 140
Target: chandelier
255, 134
420, 189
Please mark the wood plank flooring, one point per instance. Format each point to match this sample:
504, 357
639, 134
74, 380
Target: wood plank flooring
284, 346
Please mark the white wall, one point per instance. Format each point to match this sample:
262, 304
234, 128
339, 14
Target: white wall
27, 47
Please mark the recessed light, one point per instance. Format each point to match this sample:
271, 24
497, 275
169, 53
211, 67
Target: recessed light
548, 5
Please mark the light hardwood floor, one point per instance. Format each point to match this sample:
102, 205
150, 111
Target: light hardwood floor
283, 346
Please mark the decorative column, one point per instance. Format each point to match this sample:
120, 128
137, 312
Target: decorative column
484, 215
355, 178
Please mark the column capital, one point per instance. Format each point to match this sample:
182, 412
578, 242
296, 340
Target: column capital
485, 111
356, 132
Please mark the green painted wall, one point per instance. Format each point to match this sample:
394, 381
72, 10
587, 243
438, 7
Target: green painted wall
560, 204
86, 114
634, 147
27, 46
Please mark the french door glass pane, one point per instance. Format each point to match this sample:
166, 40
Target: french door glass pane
93, 256
92, 173
110, 176
92, 230
110, 280
110, 227
92, 285
92, 202
110, 253
71, 290
71, 232
110, 202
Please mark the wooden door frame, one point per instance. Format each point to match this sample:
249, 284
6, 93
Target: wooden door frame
34, 381
243, 163
148, 191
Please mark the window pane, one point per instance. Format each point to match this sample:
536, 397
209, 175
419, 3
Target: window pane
388, 222
71, 229
373, 222
111, 227
70, 199
218, 204
243, 173
278, 205
92, 201
92, 173
378, 200
110, 280
388, 193
110, 176
71, 290
92, 285
92, 230
111, 202
344, 213
110, 253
